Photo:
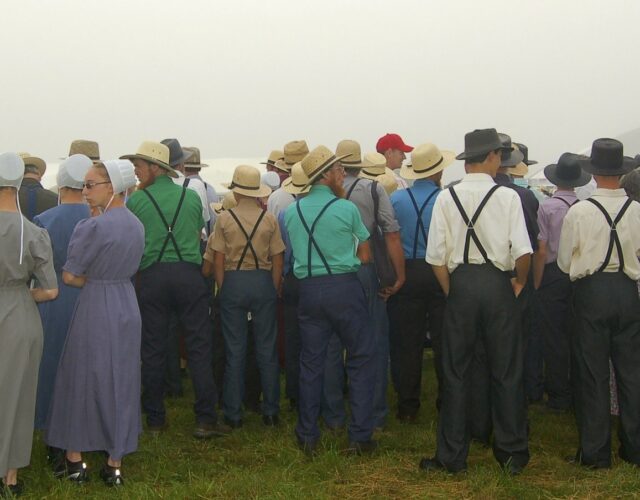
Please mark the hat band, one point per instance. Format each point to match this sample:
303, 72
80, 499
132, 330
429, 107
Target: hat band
297, 185
369, 172
429, 168
322, 166
353, 162
236, 185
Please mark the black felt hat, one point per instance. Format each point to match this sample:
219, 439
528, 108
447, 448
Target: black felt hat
479, 142
607, 159
567, 172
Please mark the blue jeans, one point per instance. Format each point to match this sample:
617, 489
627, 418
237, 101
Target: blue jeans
337, 304
243, 292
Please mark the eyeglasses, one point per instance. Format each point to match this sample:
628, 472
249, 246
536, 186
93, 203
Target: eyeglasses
91, 185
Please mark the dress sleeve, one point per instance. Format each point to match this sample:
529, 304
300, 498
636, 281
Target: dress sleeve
83, 247
42, 255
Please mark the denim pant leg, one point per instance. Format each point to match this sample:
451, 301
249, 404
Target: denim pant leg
263, 312
291, 336
333, 410
233, 316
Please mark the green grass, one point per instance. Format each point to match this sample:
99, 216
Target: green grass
260, 462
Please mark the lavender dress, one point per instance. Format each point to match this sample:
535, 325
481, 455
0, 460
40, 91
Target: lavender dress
96, 399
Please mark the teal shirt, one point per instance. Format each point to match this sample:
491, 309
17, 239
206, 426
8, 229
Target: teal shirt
187, 229
337, 233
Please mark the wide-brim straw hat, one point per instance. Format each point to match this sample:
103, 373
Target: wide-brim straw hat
352, 155
318, 162
153, 152
246, 181
373, 165
276, 160
607, 159
294, 152
34, 161
388, 182
194, 159
298, 183
85, 147
427, 160
567, 172
228, 201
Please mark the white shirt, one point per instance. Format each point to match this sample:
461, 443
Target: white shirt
402, 182
212, 197
197, 186
584, 239
278, 201
500, 228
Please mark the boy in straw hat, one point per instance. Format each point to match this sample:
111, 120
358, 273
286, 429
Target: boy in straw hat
599, 249
329, 243
192, 169
245, 253
169, 279
476, 235
34, 199
279, 200
421, 296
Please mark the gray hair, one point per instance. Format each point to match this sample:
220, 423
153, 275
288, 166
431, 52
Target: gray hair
631, 184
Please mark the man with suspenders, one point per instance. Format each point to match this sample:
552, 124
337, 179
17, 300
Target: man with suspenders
192, 170
329, 243
599, 249
246, 251
553, 287
476, 238
169, 279
421, 295
34, 199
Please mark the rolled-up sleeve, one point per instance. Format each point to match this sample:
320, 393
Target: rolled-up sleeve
437, 240
518, 235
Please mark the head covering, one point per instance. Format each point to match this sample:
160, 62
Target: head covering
34, 161
317, 162
228, 201
276, 160
11, 174
392, 141
373, 165
271, 179
153, 152
567, 172
121, 174
87, 148
426, 160
388, 182
71, 171
246, 181
295, 151
177, 155
351, 152
480, 142
607, 159
510, 156
194, 159
298, 183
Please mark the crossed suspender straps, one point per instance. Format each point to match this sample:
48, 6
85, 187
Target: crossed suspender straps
419, 223
249, 237
613, 235
169, 227
312, 240
471, 231
565, 201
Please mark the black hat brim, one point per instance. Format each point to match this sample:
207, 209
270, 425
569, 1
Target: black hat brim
550, 172
628, 164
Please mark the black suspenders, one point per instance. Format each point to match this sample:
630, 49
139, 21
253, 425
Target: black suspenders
471, 232
613, 235
249, 237
565, 201
312, 240
353, 186
419, 223
169, 227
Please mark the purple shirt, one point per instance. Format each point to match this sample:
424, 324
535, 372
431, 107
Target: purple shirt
550, 216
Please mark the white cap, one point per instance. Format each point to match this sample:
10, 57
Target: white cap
121, 175
72, 171
271, 179
11, 170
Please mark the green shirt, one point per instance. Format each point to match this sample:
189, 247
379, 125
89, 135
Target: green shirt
186, 231
337, 234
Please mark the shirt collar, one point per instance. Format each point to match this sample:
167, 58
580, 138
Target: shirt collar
162, 178
321, 189
564, 194
610, 193
419, 182
479, 177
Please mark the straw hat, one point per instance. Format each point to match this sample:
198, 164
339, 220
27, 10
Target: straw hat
317, 162
153, 152
246, 181
194, 159
351, 152
276, 160
228, 201
87, 148
298, 183
121, 174
295, 151
426, 160
388, 182
71, 171
11, 170
34, 161
373, 165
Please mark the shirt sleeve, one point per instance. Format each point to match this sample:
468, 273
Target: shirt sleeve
276, 244
359, 229
568, 242
216, 241
518, 235
42, 255
437, 240
543, 224
209, 251
83, 247
386, 213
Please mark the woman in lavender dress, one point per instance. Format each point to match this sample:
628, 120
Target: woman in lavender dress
96, 399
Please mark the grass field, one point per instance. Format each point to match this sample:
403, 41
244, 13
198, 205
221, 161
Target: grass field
260, 462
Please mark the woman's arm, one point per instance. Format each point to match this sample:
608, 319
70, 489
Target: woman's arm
43, 294
73, 280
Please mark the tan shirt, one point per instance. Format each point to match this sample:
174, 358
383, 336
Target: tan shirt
229, 239
584, 238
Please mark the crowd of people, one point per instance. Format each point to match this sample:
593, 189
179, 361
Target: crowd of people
334, 267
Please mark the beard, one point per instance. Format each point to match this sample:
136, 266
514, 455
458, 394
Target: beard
337, 188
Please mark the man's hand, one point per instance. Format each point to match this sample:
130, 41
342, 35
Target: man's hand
388, 291
517, 287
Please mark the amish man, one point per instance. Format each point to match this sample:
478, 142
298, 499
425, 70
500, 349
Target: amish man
477, 232
169, 279
87, 148
279, 200
192, 169
324, 231
553, 287
421, 294
393, 148
34, 199
599, 249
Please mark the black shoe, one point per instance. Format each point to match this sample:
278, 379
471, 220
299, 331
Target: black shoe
309, 448
293, 404
434, 465
111, 476
270, 420
512, 469
56, 458
575, 460
362, 447
156, 430
234, 424
11, 490
407, 418
206, 431
75, 472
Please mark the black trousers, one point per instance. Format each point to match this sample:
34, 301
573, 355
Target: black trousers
180, 287
607, 325
290, 296
552, 322
481, 309
420, 298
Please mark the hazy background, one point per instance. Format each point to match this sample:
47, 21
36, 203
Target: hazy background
240, 78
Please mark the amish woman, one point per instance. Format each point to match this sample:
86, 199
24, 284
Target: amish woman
96, 399
25, 252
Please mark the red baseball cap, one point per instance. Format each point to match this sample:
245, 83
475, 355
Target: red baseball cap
392, 141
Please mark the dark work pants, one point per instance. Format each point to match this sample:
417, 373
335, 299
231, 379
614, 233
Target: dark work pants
290, 297
335, 304
173, 377
481, 308
552, 321
178, 286
419, 298
533, 357
607, 324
